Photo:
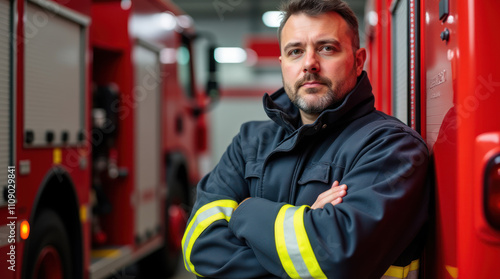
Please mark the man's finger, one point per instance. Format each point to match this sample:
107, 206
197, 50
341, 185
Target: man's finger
336, 201
330, 196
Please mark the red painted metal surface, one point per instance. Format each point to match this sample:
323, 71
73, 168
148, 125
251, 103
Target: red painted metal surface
110, 42
440, 80
478, 95
379, 47
459, 82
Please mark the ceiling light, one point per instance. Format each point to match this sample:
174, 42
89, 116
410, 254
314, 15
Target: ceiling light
372, 18
230, 55
272, 18
126, 4
167, 21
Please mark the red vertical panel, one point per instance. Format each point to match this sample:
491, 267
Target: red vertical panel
478, 101
377, 60
438, 86
387, 25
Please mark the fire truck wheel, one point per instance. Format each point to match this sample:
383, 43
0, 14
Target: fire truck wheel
48, 251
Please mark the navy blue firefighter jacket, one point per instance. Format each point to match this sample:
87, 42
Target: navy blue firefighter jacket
283, 166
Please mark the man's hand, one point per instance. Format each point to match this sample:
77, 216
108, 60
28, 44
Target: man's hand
242, 202
333, 195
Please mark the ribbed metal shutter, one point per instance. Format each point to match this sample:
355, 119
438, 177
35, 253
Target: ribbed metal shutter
147, 139
400, 61
5, 93
54, 77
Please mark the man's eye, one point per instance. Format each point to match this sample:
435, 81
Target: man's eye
328, 48
295, 52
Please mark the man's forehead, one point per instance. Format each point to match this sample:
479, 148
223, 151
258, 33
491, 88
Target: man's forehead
297, 20
324, 27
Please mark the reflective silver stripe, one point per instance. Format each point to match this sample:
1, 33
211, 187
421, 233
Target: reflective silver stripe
204, 217
228, 211
292, 245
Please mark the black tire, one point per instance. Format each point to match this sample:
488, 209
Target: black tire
49, 239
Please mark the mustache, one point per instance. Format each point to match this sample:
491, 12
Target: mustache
312, 77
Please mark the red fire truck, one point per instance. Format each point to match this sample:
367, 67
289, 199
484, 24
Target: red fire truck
101, 132
432, 64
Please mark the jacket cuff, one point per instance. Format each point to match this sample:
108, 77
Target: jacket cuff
254, 218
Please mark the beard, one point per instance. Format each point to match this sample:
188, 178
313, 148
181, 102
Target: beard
317, 104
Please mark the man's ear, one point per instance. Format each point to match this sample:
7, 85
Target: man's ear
279, 59
360, 60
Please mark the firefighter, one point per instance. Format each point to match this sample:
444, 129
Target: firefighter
327, 146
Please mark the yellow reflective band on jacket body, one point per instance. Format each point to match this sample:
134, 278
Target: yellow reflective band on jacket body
204, 217
401, 272
293, 246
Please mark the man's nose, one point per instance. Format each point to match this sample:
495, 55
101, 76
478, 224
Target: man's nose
311, 63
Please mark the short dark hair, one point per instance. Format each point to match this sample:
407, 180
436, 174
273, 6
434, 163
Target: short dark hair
319, 7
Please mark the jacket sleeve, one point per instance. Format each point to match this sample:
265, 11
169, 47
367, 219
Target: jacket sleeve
384, 209
210, 249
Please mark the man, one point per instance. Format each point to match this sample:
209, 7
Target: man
252, 217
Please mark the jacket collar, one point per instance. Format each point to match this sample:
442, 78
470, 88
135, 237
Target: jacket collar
357, 103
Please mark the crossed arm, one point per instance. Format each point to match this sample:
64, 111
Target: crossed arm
243, 260
221, 242
333, 196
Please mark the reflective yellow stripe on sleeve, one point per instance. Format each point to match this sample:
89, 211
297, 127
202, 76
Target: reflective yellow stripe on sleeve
292, 244
402, 271
204, 217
